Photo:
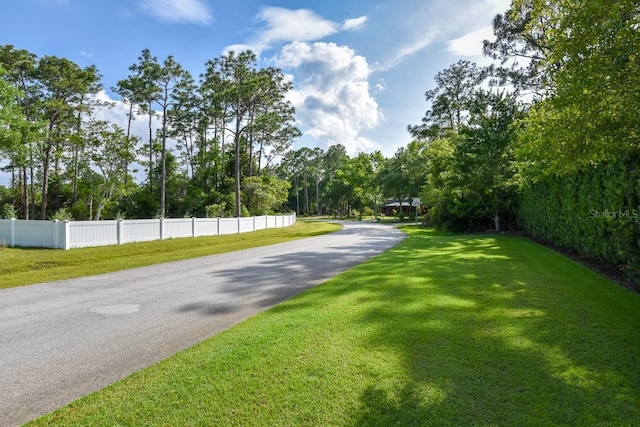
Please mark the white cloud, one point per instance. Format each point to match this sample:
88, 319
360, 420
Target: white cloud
178, 11
470, 44
284, 25
331, 94
354, 24
278, 26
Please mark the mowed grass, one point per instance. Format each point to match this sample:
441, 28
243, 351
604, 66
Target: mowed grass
440, 330
24, 266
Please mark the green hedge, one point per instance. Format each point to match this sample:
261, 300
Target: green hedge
595, 212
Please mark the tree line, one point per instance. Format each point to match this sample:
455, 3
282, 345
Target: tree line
545, 140
209, 141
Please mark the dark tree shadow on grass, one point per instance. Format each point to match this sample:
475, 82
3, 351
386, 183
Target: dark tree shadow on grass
500, 332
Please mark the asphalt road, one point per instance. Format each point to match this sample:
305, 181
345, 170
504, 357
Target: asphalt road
62, 340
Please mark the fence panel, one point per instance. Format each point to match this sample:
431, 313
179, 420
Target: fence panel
35, 234
246, 225
178, 227
140, 230
5, 231
79, 234
84, 234
207, 227
228, 226
260, 223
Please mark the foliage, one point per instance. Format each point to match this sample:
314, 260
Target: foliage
215, 210
8, 211
468, 138
60, 156
449, 100
62, 214
595, 212
264, 194
249, 103
579, 152
403, 175
522, 46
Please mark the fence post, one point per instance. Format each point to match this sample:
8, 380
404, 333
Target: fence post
55, 234
119, 231
193, 227
218, 226
238, 225
67, 237
12, 232
161, 228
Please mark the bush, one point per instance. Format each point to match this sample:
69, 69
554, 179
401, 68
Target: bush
215, 210
8, 211
62, 214
594, 212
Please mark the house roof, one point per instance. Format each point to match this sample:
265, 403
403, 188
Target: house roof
393, 203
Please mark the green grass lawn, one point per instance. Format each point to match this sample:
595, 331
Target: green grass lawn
440, 330
24, 266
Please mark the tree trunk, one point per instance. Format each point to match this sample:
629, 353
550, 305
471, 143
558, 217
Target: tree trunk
297, 196
237, 171
150, 148
163, 161
306, 195
317, 195
33, 190
25, 189
45, 181
130, 118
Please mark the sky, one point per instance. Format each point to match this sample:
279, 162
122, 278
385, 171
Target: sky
360, 68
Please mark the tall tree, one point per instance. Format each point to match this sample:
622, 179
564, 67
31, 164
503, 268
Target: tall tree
394, 178
167, 79
108, 150
485, 152
13, 123
64, 86
20, 68
185, 121
250, 99
522, 46
144, 91
448, 101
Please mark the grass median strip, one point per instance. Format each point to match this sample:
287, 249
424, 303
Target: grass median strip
25, 266
440, 330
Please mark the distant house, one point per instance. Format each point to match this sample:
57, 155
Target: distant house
392, 206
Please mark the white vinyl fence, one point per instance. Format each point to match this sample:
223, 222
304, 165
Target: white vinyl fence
81, 234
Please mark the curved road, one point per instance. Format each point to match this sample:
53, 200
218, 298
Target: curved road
62, 340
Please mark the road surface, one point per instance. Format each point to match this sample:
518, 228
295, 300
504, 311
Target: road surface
62, 340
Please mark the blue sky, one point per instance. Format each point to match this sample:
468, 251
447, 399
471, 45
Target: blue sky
359, 67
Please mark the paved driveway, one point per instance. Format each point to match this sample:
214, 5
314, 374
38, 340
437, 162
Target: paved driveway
62, 340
